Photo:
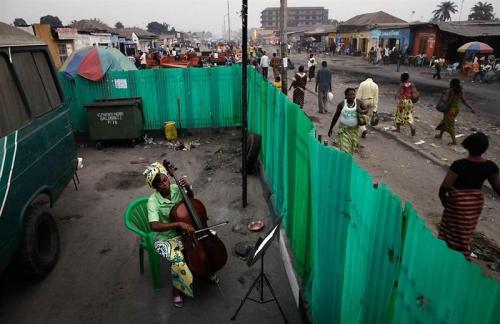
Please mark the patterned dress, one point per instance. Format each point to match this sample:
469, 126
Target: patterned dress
348, 135
448, 122
404, 110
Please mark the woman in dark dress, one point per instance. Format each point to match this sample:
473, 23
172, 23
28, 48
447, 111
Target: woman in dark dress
299, 87
461, 195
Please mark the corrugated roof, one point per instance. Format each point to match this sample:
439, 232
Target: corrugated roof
12, 36
295, 8
470, 29
372, 18
320, 29
90, 25
141, 33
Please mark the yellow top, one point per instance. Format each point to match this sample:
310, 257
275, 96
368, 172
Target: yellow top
277, 84
368, 90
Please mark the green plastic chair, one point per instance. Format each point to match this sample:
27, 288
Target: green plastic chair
136, 220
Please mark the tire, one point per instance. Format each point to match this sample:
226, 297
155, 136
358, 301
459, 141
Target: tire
40, 242
253, 149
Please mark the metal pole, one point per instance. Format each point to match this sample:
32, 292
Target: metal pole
228, 24
224, 29
244, 102
284, 43
460, 12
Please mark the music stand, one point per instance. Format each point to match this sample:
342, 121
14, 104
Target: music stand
257, 253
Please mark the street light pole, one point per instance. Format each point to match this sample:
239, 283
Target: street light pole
284, 45
460, 12
228, 24
224, 28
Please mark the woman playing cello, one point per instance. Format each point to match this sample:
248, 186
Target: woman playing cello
168, 243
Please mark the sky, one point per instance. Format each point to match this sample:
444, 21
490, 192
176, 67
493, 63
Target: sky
210, 15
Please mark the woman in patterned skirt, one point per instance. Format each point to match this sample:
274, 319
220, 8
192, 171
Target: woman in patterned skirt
404, 110
461, 196
448, 123
167, 239
348, 112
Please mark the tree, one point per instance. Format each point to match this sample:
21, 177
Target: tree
482, 11
444, 11
157, 28
20, 22
119, 25
53, 21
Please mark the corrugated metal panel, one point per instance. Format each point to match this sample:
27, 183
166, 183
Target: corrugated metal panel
437, 285
196, 97
348, 236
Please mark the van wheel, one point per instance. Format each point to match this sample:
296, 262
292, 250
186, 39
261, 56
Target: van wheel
40, 242
98, 145
253, 149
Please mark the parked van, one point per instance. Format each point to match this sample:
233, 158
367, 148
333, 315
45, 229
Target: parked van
37, 152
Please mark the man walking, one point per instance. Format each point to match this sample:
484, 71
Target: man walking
368, 95
275, 64
324, 85
264, 64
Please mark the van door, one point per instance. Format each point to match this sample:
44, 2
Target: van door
13, 116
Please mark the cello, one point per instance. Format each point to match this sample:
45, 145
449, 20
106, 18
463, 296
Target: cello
204, 252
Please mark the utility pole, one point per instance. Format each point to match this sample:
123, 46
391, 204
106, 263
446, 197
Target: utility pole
460, 12
224, 28
228, 24
244, 99
284, 44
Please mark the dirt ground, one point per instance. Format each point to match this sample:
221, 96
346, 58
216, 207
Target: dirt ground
97, 279
409, 174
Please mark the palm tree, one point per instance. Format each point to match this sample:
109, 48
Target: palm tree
482, 11
444, 11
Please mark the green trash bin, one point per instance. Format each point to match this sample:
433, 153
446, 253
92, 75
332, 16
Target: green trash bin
115, 119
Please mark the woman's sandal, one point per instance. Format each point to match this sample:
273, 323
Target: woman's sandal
178, 301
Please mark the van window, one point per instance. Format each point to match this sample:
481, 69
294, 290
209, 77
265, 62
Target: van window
13, 112
48, 79
37, 81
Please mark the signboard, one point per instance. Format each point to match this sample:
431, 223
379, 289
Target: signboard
120, 83
111, 118
67, 33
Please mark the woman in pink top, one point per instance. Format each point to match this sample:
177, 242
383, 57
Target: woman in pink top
404, 110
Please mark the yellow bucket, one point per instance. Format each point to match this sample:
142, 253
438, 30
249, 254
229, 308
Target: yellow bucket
170, 131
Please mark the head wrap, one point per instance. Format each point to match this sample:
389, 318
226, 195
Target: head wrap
152, 171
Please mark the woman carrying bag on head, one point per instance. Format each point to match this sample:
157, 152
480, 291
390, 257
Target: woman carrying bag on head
452, 96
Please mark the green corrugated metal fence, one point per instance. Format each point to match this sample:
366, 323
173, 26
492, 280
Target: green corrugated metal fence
363, 257
204, 97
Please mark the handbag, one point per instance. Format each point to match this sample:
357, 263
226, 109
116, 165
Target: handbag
415, 95
375, 119
444, 105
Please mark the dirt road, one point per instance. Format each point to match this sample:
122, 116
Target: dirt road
409, 174
97, 279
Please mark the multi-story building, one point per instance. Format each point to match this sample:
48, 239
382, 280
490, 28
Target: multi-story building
297, 17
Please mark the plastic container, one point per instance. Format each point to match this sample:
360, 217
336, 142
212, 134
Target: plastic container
170, 131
